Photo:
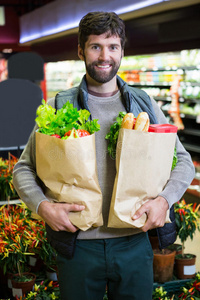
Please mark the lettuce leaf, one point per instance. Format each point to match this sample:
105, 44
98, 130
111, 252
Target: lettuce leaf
59, 122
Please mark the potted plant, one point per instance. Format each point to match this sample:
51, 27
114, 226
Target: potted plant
22, 283
45, 290
13, 247
48, 255
187, 222
7, 190
17, 233
191, 290
35, 243
43, 252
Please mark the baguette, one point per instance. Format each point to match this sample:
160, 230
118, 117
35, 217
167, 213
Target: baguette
142, 122
128, 121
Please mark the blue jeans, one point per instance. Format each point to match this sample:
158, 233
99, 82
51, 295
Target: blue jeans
124, 265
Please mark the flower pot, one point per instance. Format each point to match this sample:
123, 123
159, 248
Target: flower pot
21, 288
9, 275
163, 265
185, 267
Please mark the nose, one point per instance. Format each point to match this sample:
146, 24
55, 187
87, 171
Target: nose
103, 54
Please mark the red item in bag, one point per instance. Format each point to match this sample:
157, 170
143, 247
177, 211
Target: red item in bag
163, 128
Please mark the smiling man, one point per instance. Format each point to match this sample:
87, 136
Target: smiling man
121, 259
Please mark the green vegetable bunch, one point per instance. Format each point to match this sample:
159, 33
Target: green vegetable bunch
175, 159
61, 121
112, 135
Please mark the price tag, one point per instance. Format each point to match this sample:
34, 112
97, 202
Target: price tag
9, 283
189, 270
198, 119
17, 292
32, 261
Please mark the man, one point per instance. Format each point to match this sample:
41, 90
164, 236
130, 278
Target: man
119, 258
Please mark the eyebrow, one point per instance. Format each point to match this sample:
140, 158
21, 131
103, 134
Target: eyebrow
98, 44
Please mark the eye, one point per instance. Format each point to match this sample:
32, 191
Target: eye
95, 47
114, 47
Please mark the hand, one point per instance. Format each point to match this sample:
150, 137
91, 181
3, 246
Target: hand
155, 210
56, 215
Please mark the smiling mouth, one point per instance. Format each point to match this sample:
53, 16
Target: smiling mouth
103, 66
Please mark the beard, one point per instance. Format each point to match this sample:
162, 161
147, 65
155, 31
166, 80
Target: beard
101, 76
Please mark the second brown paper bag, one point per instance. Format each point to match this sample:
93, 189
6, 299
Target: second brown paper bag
143, 166
68, 170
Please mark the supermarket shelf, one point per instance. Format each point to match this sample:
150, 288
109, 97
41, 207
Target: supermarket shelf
191, 147
12, 148
14, 201
150, 83
159, 98
188, 83
187, 116
195, 132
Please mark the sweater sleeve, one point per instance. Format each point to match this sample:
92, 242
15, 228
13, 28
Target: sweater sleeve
26, 182
183, 173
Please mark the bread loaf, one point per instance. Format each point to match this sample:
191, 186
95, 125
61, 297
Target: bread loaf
142, 122
128, 121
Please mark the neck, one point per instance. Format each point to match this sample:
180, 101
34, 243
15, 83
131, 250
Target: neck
102, 88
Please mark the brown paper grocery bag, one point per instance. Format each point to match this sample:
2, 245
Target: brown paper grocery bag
143, 166
68, 170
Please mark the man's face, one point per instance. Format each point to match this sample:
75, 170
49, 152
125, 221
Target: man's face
102, 56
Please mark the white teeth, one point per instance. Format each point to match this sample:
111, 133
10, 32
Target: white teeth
103, 66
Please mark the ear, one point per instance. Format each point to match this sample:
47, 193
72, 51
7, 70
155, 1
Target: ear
80, 53
122, 53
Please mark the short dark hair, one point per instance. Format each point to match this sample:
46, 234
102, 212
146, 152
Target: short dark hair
98, 23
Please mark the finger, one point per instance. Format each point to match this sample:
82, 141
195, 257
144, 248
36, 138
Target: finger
75, 207
142, 210
147, 226
71, 228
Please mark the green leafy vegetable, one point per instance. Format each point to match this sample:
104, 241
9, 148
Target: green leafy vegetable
175, 160
68, 117
112, 135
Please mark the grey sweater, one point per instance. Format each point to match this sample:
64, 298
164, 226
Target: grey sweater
30, 188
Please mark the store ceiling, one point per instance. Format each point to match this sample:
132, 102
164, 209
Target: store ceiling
22, 7
172, 30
